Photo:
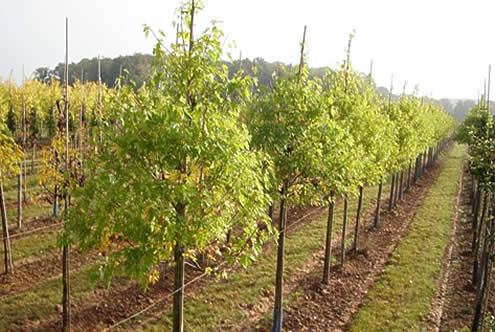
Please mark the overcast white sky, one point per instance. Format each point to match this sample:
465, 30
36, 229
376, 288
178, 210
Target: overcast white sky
443, 46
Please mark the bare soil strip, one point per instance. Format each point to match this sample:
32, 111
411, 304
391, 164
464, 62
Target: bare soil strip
460, 294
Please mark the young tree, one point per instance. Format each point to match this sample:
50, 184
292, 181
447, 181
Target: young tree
289, 123
174, 171
10, 156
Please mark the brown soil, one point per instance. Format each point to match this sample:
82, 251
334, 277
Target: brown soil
34, 226
331, 307
459, 298
38, 270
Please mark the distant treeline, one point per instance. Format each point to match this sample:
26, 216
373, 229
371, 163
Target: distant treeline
135, 68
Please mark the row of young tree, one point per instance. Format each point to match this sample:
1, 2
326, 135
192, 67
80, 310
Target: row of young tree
478, 132
189, 164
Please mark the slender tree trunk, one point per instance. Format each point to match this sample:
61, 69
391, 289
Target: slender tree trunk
488, 275
33, 156
408, 177
19, 197
55, 202
477, 220
65, 250
7, 253
391, 199
178, 307
401, 186
24, 169
355, 245
344, 231
424, 162
415, 174
484, 305
397, 189
279, 279
328, 244
66, 289
482, 283
471, 194
376, 223
270, 211
481, 293
479, 237
416, 170
474, 221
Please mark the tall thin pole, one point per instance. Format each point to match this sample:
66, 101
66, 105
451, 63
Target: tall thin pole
390, 91
301, 60
488, 89
81, 110
99, 86
65, 250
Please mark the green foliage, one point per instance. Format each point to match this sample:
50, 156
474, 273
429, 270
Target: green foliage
354, 104
175, 167
10, 154
473, 125
33, 121
478, 131
11, 121
291, 124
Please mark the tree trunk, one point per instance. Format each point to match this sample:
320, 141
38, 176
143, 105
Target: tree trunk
279, 279
476, 210
7, 253
488, 276
178, 308
391, 199
484, 305
33, 156
481, 286
24, 169
65, 251
480, 294
397, 189
344, 230
476, 220
55, 202
66, 289
355, 245
378, 205
19, 198
408, 177
401, 186
479, 230
424, 162
270, 211
471, 194
416, 170
328, 244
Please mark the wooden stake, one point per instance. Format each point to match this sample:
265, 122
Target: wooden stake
65, 250
301, 58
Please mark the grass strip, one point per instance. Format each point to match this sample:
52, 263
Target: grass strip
400, 300
41, 301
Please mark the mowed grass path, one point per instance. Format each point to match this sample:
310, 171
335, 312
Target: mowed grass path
401, 299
